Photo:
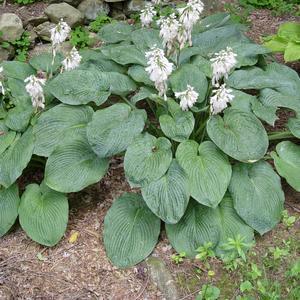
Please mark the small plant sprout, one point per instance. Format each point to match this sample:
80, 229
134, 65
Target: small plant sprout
72, 61
147, 15
255, 272
206, 251
178, 258
223, 63
246, 286
220, 99
34, 87
159, 69
288, 220
187, 98
278, 253
208, 292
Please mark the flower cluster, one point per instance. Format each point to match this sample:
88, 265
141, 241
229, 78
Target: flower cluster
159, 69
187, 98
72, 61
2, 90
147, 15
59, 34
222, 63
34, 88
220, 99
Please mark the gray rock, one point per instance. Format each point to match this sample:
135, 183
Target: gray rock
35, 21
162, 278
112, 1
133, 6
74, 3
11, 26
65, 48
68, 13
6, 54
43, 30
93, 8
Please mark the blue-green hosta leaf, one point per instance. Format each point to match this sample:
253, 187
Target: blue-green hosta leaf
294, 126
125, 55
17, 70
146, 38
59, 123
144, 93
43, 62
73, 165
239, 134
131, 231
16, 158
202, 224
257, 195
189, 75
203, 64
147, 159
6, 137
103, 65
139, 74
213, 21
115, 32
9, 204
113, 129
43, 214
179, 125
17, 88
287, 163
279, 77
78, 87
168, 196
206, 167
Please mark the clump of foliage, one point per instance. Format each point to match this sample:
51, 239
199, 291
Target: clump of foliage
100, 21
24, 2
205, 175
287, 41
80, 37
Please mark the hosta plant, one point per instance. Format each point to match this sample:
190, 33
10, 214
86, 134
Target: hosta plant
186, 110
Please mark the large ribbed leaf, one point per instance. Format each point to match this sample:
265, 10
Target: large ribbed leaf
113, 129
239, 134
203, 64
6, 137
287, 163
189, 74
16, 158
208, 171
43, 214
294, 126
146, 38
179, 125
139, 74
168, 196
147, 159
83, 86
125, 55
43, 62
257, 195
202, 224
131, 231
73, 165
115, 32
57, 124
9, 204
17, 70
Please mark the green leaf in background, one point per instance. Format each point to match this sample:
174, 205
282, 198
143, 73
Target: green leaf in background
203, 64
146, 38
113, 129
73, 165
43, 214
276, 44
9, 204
292, 52
239, 134
147, 159
294, 126
16, 158
115, 32
290, 31
17, 70
131, 231
206, 167
6, 137
59, 123
168, 196
43, 62
257, 195
287, 163
189, 74
202, 224
139, 74
179, 125
143, 93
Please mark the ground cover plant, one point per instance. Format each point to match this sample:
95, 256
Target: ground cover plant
184, 100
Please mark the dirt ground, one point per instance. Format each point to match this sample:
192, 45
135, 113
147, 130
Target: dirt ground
81, 270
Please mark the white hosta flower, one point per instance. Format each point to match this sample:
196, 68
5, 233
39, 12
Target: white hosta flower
159, 69
220, 99
34, 88
222, 63
156, 2
187, 98
2, 90
168, 31
182, 36
147, 15
72, 61
190, 15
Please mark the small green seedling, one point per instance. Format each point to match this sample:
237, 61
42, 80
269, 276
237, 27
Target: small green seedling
178, 258
246, 286
288, 220
255, 272
205, 251
208, 292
